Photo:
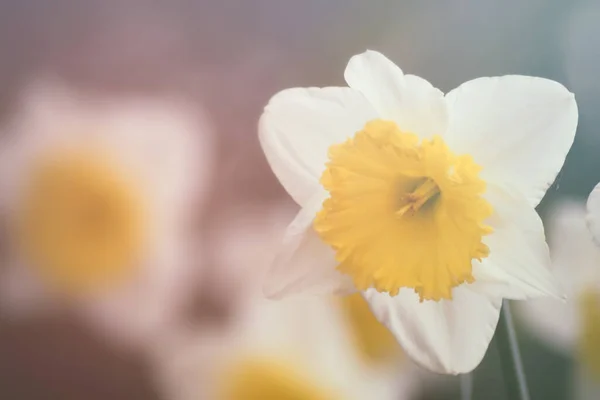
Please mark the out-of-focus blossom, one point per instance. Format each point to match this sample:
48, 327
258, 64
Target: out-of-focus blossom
313, 348
97, 197
294, 349
423, 202
571, 327
574, 259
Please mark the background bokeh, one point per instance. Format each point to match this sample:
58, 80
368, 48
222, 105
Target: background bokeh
231, 56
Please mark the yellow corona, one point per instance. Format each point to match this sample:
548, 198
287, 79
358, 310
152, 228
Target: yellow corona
81, 221
269, 379
403, 212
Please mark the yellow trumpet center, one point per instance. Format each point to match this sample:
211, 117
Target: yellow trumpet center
269, 379
403, 212
373, 340
81, 221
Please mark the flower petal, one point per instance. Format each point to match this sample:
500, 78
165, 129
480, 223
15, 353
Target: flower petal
412, 102
506, 123
167, 143
449, 336
593, 213
299, 125
518, 266
305, 264
140, 310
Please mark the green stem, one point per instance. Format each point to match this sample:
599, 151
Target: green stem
466, 386
510, 357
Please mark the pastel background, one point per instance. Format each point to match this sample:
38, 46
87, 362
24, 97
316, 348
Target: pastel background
227, 58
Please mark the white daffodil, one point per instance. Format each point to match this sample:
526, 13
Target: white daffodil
572, 327
422, 201
95, 196
294, 349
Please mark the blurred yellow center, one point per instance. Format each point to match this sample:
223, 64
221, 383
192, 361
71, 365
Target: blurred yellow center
269, 379
589, 344
374, 341
403, 212
81, 221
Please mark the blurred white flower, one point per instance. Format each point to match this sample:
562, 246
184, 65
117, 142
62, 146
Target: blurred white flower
96, 195
293, 349
575, 264
302, 348
422, 201
570, 327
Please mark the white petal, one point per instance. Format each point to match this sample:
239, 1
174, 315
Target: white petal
169, 144
518, 128
299, 125
142, 309
593, 213
412, 102
449, 336
305, 264
518, 266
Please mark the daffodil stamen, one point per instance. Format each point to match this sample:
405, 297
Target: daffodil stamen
403, 212
412, 202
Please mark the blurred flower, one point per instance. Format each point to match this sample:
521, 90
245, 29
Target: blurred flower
574, 258
292, 349
374, 342
571, 327
96, 195
299, 348
449, 213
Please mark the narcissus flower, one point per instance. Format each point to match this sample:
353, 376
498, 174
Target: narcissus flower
96, 195
423, 202
296, 349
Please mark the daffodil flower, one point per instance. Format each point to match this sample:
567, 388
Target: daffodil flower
299, 349
96, 196
423, 202
572, 327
